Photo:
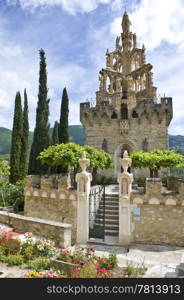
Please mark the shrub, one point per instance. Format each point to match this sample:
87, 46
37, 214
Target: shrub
11, 246
109, 262
28, 252
88, 270
39, 264
45, 248
11, 194
2, 254
14, 259
135, 271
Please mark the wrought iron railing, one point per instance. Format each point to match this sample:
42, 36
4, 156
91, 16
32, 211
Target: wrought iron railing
95, 197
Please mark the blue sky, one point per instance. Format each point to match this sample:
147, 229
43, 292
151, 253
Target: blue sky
75, 35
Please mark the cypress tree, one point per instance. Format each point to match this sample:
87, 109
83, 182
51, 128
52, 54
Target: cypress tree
41, 138
25, 136
55, 137
63, 125
15, 153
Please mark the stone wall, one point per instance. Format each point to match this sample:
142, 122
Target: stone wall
57, 231
51, 198
159, 215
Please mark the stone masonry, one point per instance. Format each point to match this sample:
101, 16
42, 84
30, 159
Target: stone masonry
159, 215
127, 114
51, 199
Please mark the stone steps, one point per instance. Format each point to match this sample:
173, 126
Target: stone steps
108, 215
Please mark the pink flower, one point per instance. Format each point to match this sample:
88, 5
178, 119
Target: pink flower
102, 270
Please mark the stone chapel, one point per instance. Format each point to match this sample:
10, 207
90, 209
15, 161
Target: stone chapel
127, 114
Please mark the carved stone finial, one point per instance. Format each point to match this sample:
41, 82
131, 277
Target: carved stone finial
84, 162
125, 23
125, 161
135, 40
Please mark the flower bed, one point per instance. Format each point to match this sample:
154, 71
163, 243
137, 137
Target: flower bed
47, 261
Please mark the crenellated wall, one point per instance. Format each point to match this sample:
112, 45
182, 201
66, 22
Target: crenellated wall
51, 198
159, 215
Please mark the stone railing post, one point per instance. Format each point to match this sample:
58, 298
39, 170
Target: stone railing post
125, 180
83, 180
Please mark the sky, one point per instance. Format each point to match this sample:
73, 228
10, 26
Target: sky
75, 35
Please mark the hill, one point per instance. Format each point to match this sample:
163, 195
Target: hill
76, 135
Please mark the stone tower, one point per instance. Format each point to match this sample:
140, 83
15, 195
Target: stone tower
127, 115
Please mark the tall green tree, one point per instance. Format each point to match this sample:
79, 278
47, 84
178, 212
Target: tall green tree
15, 154
25, 136
41, 138
55, 136
63, 125
157, 159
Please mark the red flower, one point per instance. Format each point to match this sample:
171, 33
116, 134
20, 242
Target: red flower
109, 266
76, 261
75, 270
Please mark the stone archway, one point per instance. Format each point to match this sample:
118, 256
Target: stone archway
125, 145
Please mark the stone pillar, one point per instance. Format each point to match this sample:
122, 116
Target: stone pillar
83, 180
125, 180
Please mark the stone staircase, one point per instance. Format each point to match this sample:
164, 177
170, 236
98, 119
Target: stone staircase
109, 212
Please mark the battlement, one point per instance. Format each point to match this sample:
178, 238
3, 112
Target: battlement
49, 187
157, 194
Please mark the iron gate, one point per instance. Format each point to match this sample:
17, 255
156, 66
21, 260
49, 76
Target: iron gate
97, 212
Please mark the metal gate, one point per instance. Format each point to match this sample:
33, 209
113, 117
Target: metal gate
97, 212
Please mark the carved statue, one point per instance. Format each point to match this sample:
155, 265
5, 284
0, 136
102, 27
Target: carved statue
149, 79
135, 40
118, 85
101, 82
117, 42
108, 60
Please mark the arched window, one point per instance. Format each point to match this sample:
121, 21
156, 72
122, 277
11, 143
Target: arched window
114, 115
134, 114
104, 145
124, 111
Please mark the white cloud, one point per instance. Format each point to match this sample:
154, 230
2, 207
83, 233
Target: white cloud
71, 6
156, 21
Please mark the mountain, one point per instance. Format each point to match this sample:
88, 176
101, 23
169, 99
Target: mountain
176, 141
76, 135
5, 140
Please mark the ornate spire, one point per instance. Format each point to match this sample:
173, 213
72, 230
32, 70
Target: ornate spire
126, 23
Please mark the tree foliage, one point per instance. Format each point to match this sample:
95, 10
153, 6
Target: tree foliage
63, 125
41, 138
55, 137
4, 168
24, 140
69, 154
15, 154
157, 159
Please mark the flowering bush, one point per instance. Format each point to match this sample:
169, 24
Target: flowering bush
46, 274
3, 231
77, 256
45, 248
31, 247
88, 265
